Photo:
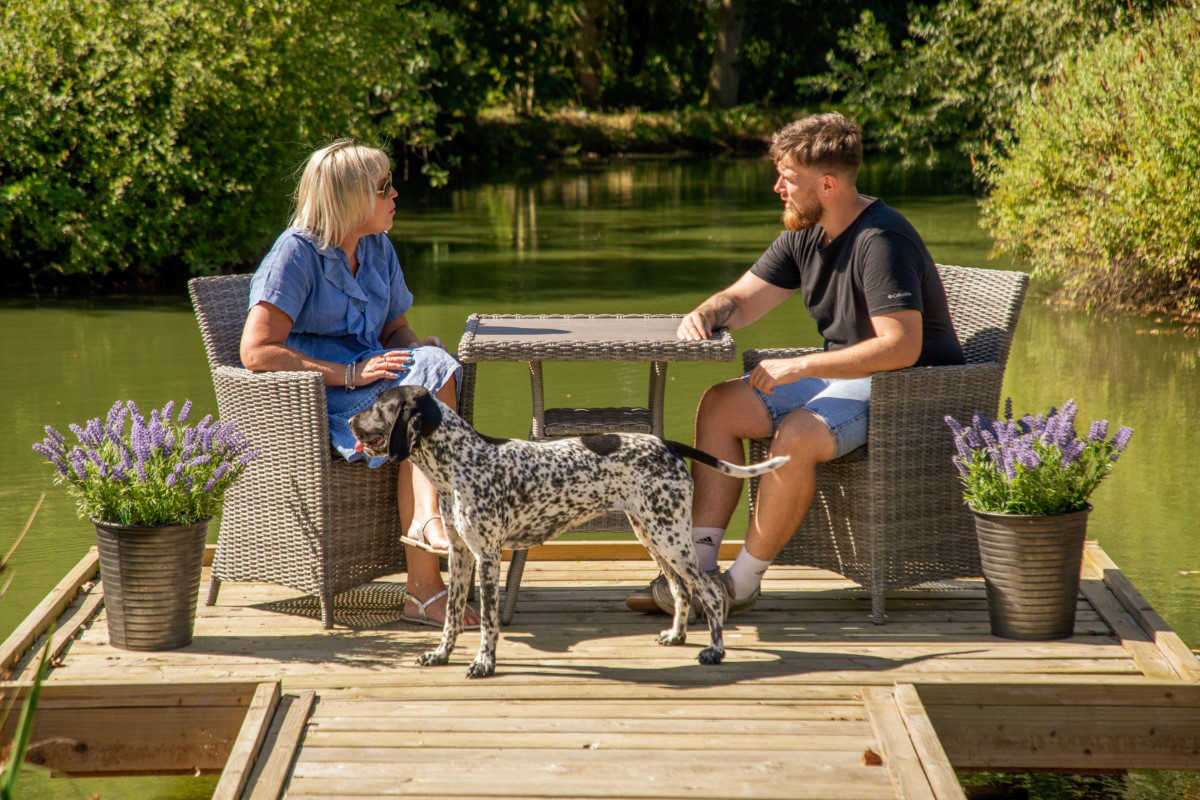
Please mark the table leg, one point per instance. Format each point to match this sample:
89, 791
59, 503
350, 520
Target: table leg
658, 390
539, 400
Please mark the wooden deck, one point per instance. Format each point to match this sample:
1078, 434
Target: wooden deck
812, 700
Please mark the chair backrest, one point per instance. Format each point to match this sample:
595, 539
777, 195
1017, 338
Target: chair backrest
984, 306
221, 303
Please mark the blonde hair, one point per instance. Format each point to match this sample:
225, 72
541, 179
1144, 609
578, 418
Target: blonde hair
828, 142
336, 192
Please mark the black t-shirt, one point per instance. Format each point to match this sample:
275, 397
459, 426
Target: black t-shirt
876, 266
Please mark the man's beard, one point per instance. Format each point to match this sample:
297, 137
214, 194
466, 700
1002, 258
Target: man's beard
801, 219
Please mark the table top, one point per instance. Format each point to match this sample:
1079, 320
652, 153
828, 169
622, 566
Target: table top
586, 337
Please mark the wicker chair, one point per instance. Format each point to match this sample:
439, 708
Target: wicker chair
301, 516
891, 515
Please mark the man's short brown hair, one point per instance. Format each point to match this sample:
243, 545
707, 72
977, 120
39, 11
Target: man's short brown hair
827, 142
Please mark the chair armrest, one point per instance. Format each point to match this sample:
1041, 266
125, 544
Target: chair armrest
908, 408
750, 358
283, 414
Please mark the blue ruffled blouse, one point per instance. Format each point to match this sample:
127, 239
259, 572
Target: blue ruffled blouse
337, 316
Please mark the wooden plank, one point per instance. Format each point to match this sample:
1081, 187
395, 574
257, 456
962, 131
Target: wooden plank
47, 611
119, 728
932, 755
1164, 638
1142, 694
899, 756
601, 550
69, 626
272, 771
1148, 658
1135, 726
249, 740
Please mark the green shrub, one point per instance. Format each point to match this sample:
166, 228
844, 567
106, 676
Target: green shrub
1101, 192
961, 71
150, 139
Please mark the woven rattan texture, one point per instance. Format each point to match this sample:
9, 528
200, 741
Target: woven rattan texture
581, 421
895, 518
301, 516
515, 337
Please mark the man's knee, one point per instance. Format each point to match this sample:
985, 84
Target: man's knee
732, 406
805, 437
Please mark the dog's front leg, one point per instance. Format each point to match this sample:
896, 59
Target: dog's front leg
489, 614
456, 603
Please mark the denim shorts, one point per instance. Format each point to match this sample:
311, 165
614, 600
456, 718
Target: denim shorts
842, 404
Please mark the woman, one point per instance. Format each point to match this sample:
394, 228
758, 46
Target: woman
330, 297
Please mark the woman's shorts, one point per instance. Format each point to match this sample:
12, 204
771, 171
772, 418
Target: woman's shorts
841, 404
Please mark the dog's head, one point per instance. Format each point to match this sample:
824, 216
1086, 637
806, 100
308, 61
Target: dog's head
395, 425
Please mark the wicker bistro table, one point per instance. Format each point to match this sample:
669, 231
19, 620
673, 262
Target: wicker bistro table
535, 339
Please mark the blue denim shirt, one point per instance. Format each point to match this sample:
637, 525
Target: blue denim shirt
338, 317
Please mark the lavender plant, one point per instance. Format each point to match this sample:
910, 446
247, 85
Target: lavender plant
1035, 464
130, 471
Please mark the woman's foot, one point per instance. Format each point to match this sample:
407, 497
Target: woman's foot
428, 532
428, 607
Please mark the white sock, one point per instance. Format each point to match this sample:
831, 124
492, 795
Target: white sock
708, 545
746, 574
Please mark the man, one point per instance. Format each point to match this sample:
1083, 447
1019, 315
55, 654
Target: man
872, 289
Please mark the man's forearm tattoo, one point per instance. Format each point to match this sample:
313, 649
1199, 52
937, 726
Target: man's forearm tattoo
718, 310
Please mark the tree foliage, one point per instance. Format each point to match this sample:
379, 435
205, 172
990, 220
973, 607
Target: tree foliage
143, 137
1101, 192
964, 66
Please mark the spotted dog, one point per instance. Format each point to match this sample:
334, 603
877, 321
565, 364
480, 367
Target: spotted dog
498, 493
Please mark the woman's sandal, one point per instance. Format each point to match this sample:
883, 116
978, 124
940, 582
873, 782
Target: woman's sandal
422, 618
417, 539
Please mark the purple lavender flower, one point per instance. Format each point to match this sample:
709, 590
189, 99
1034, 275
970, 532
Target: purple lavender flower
79, 462
118, 474
95, 432
1098, 431
176, 474
199, 460
247, 457
1122, 438
184, 412
218, 473
1072, 451
55, 457
190, 440
54, 436
167, 411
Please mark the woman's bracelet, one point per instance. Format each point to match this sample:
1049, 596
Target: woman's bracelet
349, 377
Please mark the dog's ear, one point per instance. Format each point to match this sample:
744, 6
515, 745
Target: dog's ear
417, 415
429, 410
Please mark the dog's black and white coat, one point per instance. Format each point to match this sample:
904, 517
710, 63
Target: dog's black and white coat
498, 493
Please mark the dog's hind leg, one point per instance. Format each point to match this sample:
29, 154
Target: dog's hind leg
714, 601
489, 615
670, 565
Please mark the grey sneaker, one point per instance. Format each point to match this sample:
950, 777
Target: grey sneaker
738, 606
656, 597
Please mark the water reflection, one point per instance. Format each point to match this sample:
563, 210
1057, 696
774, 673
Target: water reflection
635, 237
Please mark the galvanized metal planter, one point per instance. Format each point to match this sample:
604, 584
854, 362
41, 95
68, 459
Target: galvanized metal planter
151, 580
1031, 569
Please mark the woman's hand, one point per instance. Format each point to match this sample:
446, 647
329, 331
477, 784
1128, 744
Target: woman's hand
391, 364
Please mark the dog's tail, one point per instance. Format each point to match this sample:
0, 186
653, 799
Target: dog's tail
736, 470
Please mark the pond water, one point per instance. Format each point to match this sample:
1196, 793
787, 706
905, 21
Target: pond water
631, 236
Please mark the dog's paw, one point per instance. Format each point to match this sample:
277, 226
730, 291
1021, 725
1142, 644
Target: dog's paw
670, 638
711, 655
481, 669
434, 658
